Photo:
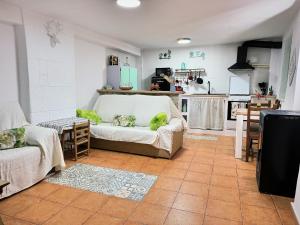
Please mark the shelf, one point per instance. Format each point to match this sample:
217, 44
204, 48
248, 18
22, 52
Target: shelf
265, 66
186, 72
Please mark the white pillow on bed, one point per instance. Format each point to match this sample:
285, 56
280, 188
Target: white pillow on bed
11, 116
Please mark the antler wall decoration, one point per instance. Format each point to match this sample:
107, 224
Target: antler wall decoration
53, 28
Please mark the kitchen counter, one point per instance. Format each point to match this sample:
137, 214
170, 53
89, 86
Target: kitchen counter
205, 95
140, 92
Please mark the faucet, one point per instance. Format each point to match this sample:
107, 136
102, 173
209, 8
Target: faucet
208, 87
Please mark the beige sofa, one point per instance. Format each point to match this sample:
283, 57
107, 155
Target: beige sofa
26, 166
164, 142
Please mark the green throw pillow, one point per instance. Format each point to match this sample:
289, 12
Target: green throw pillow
161, 119
89, 114
13, 138
124, 120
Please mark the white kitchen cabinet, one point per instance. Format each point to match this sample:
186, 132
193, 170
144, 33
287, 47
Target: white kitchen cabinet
183, 106
186, 106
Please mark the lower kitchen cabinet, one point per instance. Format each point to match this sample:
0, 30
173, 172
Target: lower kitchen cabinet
206, 112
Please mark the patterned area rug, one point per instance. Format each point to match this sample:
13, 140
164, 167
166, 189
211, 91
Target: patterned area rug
119, 183
201, 137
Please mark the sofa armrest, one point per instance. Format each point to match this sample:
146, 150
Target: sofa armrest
171, 135
174, 125
47, 140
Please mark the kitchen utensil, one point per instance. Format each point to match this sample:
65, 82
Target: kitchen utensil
199, 80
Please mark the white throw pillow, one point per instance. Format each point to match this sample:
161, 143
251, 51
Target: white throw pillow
11, 116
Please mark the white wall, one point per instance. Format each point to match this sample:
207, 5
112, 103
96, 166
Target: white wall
51, 71
8, 64
90, 67
296, 203
259, 75
275, 70
132, 59
10, 13
47, 75
292, 97
217, 60
108, 42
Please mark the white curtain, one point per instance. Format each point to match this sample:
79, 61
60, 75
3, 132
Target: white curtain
206, 113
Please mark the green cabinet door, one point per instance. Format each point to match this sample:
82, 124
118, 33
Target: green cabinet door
125, 76
133, 78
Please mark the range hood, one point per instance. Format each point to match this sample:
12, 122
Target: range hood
241, 64
241, 61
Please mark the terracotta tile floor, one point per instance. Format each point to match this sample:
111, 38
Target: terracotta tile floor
202, 185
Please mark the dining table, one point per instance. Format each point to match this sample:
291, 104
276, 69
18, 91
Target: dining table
241, 116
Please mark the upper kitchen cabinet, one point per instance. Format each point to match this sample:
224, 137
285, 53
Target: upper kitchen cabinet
122, 76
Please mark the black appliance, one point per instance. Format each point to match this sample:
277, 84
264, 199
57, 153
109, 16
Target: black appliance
233, 106
263, 87
279, 157
166, 71
241, 61
164, 85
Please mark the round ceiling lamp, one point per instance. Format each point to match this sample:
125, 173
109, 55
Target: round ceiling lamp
184, 41
129, 3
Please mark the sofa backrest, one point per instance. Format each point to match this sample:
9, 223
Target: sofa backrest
143, 107
11, 116
107, 106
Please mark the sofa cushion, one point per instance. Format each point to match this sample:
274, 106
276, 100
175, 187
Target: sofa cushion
11, 116
107, 106
161, 119
146, 107
89, 114
107, 131
124, 120
12, 138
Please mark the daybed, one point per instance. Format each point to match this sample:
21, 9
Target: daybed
25, 166
164, 142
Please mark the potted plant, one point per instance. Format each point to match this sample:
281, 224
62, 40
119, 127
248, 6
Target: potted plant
271, 91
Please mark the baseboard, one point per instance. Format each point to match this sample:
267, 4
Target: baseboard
297, 216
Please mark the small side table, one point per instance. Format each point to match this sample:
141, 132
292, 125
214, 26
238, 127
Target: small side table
3, 184
63, 126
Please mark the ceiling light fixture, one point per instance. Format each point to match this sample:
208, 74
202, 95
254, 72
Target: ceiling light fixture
184, 41
129, 3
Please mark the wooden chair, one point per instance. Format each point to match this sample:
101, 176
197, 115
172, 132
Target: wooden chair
277, 104
253, 133
79, 141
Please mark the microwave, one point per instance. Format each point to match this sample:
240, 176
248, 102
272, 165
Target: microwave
166, 71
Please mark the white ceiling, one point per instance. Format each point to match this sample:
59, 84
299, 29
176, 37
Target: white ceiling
158, 23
